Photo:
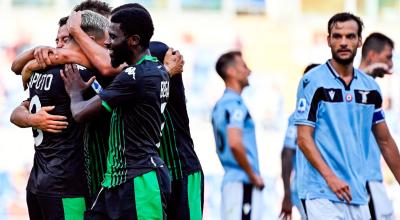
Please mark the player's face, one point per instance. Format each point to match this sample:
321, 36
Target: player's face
242, 71
344, 41
62, 36
384, 57
117, 46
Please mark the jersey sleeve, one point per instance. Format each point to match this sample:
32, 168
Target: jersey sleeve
236, 116
122, 89
290, 141
379, 115
306, 109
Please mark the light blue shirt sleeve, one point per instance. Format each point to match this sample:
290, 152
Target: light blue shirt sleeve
237, 116
291, 135
305, 111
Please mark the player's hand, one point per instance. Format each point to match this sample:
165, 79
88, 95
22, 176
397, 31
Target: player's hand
286, 211
173, 62
257, 181
73, 81
47, 122
41, 55
74, 22
340, 188
378, 70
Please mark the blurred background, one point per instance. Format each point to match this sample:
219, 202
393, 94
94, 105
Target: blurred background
278, 39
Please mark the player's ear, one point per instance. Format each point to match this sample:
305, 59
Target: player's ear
133, 40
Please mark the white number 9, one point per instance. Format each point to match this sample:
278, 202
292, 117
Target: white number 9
34, 107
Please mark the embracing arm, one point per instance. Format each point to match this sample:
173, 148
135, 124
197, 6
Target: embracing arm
40, 54
97, 54
388, 148
42, 120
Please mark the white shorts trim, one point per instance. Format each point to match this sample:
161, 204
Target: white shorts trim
383, 206
233, 196
323, 209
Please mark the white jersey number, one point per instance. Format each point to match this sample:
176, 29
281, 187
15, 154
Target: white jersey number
34, 107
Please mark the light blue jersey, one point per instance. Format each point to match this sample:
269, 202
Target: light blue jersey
342, 117
290, 142
231, 112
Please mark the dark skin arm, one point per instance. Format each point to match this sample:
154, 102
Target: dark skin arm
236, 144
74, 85
287, 166
42, 120
307, 145
388, 148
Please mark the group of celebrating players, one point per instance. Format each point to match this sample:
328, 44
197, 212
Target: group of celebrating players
108, 113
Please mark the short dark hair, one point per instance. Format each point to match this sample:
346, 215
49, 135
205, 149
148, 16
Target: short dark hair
309, 67
158, 49
129, 5
224, 60
135, 21
62, 21
375, 42
94, 5
342, 17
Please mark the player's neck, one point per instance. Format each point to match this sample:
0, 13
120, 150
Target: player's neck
139, 54
363, 65
234, 86
344, 71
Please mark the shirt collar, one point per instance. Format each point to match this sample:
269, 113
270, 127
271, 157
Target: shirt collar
335, 74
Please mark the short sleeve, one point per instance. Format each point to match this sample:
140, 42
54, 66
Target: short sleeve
379, 115
122, 89
306, 109
236, 115
291, 135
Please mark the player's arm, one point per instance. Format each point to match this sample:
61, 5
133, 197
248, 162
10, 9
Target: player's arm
388, 148
74, 85
287, 166
42, 120
39, 53
96, 54
59, 56
308, 147
235, 142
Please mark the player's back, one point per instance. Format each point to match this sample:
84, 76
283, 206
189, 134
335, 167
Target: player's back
58, 167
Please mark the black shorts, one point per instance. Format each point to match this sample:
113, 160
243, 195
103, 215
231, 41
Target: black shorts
143, 197
187, 197
55, 208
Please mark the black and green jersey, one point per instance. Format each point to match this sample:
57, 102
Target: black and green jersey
96, 148
136, 98
58, 166
96, 143
176, 143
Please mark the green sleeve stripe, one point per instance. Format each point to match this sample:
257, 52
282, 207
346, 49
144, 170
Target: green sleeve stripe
106, 106
74, 208
148, 196
194, 196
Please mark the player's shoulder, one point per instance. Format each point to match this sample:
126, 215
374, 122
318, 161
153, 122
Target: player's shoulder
315, 78
368, 80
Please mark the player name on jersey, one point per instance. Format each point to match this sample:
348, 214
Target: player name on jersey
41, 81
